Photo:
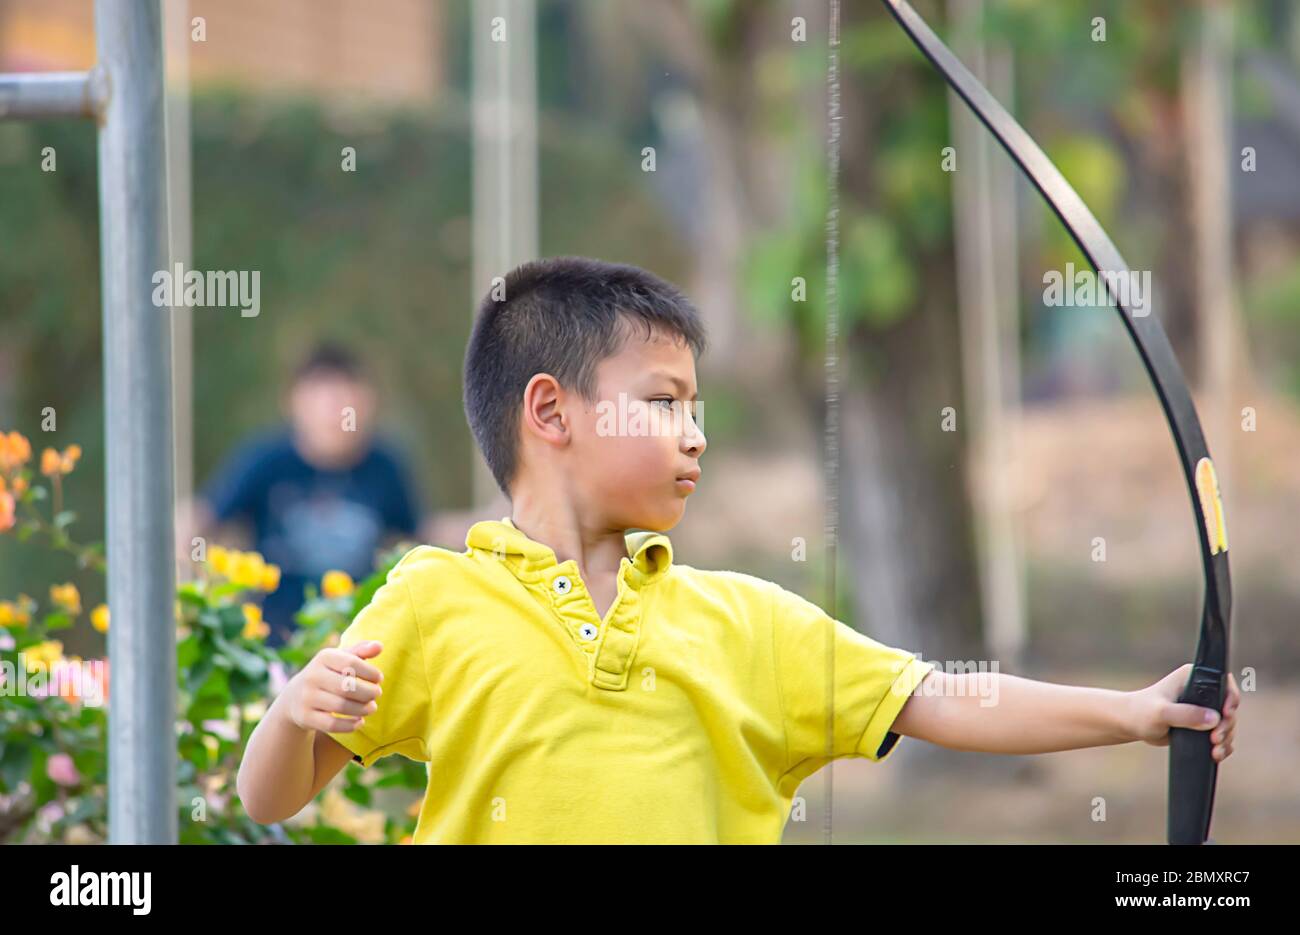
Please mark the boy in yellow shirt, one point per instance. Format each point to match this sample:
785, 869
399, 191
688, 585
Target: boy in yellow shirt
566, 680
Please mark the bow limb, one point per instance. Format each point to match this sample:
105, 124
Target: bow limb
1192, 769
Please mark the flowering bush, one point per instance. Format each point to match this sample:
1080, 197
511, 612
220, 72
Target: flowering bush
53, 709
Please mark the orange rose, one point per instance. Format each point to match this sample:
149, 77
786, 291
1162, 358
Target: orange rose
14, 451
50, 462
69, 459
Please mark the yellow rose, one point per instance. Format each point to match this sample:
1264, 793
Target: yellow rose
218, 559
247, 569
270, 578
336, 584
67, 597
47, 653
99, 618
69, 459
8, 613
254, 628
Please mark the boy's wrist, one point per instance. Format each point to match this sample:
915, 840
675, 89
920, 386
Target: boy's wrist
1128, 715
281, 711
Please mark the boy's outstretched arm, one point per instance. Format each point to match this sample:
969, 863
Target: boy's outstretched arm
997, 713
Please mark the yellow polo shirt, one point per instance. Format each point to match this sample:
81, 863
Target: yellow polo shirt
690, 713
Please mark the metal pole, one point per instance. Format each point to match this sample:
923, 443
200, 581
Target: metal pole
176, 32
504, 94
51, 94
138, 427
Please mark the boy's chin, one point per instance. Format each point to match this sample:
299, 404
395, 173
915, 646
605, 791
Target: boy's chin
660, 522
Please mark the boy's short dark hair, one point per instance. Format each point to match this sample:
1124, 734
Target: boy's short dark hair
329, 359
561, 316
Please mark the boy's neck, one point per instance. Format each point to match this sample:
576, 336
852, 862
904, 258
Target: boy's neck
596, 548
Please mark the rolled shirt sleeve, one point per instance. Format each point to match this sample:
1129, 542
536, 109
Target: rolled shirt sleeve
870, 684
403, 716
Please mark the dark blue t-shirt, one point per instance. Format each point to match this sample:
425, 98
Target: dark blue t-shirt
310, 521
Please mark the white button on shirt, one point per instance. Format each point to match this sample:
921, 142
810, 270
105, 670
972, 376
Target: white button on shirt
562, 584
588, 631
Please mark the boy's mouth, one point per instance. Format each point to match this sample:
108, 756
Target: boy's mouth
688, 480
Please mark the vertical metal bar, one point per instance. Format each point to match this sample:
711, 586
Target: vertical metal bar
180, 231
504, 94
138, 428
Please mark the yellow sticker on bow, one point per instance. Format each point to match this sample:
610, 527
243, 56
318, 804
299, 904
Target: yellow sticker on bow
1207, 488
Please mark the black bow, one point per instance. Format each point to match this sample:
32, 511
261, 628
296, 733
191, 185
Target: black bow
1192, 770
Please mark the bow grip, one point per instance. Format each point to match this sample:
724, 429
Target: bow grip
1192, 769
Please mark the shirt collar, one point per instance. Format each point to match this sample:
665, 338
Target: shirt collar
650, 554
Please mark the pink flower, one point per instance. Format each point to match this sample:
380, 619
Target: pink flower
223, 729
62, 770
279, 678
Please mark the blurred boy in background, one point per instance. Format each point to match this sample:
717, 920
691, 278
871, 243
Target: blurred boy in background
320, 494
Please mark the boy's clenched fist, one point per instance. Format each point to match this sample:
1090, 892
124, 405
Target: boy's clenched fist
336, 690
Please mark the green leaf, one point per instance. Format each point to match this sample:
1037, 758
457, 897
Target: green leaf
196, 677
189, 594
249, 663
187, 652
57, 621
217, 685
206, 709
15, 766
358, 793
65, 519
321, 834
232, 621
227, 589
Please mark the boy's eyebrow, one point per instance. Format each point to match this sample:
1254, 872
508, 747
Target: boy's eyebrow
676, 381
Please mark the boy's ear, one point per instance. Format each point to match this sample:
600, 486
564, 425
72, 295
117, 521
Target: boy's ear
543, 409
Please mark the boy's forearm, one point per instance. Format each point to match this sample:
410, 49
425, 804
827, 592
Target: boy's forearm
278, 772
998, 713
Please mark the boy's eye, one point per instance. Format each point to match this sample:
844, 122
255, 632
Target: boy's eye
672, 401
